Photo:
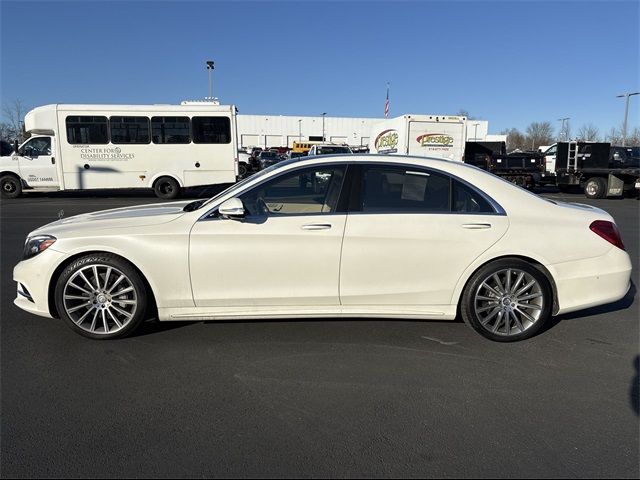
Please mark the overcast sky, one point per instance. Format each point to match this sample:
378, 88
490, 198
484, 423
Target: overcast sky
508, 62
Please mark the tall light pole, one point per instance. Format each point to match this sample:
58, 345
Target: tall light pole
563, 131
323, 114
626, 114
300, 130
210, 69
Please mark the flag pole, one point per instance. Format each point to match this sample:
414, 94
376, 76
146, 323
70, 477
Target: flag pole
386, 103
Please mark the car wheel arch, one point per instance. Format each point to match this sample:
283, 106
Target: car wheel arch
464, 281
53, 311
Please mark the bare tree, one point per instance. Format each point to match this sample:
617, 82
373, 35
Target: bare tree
14, 116
633, 138
515, 139
589, 132
539, 133
614, 137
465, 113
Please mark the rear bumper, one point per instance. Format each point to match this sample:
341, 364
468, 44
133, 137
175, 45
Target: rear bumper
593, 281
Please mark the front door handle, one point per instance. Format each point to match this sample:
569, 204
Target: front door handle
476, 226
316, 226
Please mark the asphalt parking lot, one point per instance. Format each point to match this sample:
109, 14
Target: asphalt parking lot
315, 398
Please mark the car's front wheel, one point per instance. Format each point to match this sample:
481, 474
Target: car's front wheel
507, 300
101, 296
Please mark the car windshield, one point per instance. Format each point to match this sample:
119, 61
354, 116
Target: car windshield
269, 154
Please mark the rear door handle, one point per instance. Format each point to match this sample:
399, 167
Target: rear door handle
476, 226
316, 226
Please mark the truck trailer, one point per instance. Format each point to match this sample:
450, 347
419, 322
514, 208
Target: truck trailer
163, 147
439, 136
593, 167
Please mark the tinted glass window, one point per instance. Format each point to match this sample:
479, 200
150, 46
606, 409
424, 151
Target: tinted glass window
398, 189
312, 190
467, 200
129, 129
6, 148
170, 130
211, 129
37, 146
87, 130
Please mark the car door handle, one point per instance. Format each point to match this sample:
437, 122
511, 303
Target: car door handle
476, 226
316, 226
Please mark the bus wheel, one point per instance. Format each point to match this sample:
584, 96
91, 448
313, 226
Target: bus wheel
595, 187
242, 170
167, 188
10, 186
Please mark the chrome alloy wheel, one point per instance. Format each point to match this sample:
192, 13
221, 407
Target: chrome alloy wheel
100, 299
509, 302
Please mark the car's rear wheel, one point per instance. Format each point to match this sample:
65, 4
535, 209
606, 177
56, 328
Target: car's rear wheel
507, 300
101, 296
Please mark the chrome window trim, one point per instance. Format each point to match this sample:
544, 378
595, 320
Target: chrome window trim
497, 208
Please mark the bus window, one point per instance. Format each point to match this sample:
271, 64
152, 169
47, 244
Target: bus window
87, 130
170, 130
129, 130
211, 129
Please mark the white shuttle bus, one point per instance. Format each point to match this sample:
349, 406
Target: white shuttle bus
164, 147
439, 136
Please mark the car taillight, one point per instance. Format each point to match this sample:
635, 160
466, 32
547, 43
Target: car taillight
608, 231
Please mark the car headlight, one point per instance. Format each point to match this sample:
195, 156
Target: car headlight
35, 245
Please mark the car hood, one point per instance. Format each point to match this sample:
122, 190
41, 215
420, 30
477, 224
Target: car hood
126, 217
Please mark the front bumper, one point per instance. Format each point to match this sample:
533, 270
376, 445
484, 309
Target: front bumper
33, 277
591, 282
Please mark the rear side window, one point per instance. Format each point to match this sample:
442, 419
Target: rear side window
129, 130
87, 130
390, 189
170, 130
467, 200
211, 129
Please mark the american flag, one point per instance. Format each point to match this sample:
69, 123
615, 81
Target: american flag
386, 104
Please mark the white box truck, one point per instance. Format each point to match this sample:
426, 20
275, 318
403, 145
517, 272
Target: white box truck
164, 147
440, 136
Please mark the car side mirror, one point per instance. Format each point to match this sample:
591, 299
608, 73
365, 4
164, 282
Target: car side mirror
232, 208
16, 146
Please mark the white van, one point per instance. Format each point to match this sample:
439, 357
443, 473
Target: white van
440, 136
164, 147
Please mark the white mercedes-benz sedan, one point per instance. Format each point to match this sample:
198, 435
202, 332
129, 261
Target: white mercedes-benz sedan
331, 236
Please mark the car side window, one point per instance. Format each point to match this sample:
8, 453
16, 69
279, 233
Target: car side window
37, 146
467, 200
307, 191
391, 189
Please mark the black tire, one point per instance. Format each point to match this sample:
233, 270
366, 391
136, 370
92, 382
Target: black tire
10, 186
139, 293
469, 303
595, 187
167, 188
243, 170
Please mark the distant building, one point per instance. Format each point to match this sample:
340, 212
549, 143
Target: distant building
281, 131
